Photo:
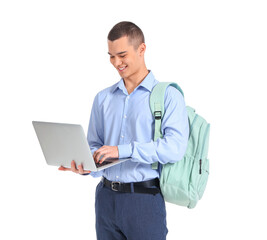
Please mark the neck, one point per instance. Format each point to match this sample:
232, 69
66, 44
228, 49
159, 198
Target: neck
133, 81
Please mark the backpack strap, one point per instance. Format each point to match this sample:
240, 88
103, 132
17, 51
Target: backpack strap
157, 98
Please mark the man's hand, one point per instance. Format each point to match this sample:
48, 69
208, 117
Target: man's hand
74, 169
106, 152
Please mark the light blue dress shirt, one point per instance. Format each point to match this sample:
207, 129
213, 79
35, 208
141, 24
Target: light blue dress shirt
125, 120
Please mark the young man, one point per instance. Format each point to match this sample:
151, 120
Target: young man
129, 204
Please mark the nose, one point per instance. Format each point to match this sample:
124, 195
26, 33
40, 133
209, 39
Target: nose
117, 62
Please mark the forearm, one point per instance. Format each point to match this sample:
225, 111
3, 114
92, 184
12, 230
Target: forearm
169, 149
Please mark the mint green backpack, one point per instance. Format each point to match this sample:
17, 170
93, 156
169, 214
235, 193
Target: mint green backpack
183, 183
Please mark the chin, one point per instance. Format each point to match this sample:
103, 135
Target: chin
123, 75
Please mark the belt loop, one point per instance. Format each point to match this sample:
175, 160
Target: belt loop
132, 187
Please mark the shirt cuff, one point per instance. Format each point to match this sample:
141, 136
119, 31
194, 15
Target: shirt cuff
96, 174
125, 150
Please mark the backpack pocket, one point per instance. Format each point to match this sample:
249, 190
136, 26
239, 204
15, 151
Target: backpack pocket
198, 181
174, 181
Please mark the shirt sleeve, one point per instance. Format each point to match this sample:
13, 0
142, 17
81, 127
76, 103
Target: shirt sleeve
175, 128
95, 132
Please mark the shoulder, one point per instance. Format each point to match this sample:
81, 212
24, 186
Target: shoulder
103, 94
173, 94
173, 99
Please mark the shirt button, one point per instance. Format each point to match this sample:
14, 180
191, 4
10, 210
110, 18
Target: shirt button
122, 136
125, 116
127, 98
117, 176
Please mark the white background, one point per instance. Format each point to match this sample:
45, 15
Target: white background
53, 60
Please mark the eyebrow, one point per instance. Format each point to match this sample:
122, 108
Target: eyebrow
118, 53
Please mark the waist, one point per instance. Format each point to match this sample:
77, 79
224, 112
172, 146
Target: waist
150, 186
130, 172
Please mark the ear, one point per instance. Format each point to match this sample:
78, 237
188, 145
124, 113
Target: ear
142, 49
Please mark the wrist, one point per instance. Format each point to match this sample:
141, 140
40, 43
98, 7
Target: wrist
125, 150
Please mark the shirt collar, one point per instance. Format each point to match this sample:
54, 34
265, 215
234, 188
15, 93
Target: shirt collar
148, 83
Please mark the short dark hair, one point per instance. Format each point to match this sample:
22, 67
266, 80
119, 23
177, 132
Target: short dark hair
129, 29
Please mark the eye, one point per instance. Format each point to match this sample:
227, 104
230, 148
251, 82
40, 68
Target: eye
122, 56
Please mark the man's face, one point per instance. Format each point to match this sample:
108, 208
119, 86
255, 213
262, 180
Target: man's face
124, 57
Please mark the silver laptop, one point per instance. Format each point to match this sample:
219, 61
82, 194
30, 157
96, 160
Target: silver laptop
61, 143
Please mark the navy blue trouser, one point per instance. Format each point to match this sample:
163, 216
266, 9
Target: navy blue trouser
131, 216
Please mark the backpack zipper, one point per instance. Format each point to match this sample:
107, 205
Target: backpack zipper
205, 136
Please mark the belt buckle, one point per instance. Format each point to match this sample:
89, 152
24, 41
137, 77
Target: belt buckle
113, 184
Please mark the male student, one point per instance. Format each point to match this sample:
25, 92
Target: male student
129, 204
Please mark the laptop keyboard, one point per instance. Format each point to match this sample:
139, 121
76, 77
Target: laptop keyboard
102, 164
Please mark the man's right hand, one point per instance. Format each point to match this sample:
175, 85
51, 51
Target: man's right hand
73, 168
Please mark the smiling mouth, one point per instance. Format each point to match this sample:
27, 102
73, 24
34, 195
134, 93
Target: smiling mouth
122, 68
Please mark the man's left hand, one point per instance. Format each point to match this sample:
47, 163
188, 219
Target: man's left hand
106, 152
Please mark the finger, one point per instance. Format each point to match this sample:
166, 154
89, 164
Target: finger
80, 169
95, 156
73, 166
98, 154
98, 151
100, 157
101, 154
104, 158
61, 168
